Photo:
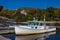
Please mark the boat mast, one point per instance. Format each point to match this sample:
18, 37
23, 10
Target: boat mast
44, 19
35, 17
44, 23
36, 14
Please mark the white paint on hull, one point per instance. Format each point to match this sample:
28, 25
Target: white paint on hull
21, 30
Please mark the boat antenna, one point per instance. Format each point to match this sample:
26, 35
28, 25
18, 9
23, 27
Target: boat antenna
34, 18
44, 19
44, 23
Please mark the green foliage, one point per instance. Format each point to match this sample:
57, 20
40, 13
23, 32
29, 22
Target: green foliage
52, 14
1, 7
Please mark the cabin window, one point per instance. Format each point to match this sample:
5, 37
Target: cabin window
41, 24
37, 23
33, 23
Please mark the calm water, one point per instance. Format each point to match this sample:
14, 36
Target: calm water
47, 36
36, 37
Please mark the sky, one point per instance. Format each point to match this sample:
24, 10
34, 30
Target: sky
43, 4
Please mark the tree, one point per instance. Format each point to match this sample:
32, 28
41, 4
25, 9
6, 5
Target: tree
1, 7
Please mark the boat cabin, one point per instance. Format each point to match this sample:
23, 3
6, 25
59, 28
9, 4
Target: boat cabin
36, 24
33, 24
40, 23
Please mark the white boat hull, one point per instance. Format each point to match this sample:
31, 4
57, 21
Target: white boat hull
21, 30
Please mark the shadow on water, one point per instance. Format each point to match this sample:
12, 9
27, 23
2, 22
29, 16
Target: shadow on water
37, 37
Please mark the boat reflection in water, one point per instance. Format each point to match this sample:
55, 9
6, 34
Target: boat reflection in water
35, 37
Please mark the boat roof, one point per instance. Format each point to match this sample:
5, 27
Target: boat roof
33, 21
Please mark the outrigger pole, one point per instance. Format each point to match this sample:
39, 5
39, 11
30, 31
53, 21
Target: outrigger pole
44, 23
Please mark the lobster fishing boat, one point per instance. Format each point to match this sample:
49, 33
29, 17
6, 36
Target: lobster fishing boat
33, 27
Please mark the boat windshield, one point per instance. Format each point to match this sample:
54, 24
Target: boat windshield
36, 23
41, 24
33, 23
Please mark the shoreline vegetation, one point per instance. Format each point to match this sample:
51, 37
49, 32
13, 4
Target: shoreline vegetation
27, 14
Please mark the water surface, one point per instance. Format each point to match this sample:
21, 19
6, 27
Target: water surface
47, 36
